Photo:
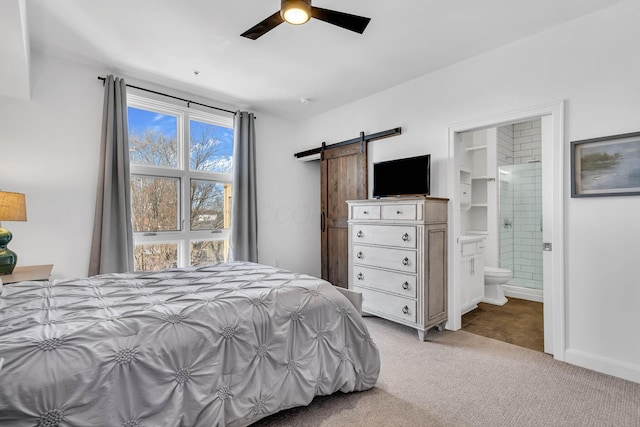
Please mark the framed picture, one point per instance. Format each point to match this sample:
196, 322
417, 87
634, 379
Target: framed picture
608, 166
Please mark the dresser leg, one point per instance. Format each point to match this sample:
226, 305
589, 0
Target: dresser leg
421, 335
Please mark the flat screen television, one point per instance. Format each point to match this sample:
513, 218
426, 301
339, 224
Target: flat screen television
402, 177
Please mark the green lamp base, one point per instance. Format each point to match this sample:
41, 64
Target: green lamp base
8, 258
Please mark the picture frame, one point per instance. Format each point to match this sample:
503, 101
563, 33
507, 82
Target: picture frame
606, 166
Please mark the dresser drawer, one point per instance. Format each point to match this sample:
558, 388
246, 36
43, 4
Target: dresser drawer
397, 283
388, 235
400, 211
395, 259
390, 305
365, 212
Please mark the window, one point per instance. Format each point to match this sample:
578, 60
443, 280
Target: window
181, 172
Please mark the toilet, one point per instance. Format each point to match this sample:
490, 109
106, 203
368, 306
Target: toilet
494, 278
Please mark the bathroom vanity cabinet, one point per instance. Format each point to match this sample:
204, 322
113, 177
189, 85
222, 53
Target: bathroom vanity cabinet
398, 259
471, 272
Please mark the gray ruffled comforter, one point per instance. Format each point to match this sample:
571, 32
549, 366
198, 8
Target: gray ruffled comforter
225, 344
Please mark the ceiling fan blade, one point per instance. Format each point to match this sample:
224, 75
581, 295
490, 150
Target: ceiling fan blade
264, 27
345, 20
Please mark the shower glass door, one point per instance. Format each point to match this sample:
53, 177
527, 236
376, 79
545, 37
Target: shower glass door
520, 223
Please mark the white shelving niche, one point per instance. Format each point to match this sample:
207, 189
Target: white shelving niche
478, 211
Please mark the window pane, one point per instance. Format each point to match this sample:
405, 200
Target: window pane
153, 138
211, 147
154, 203
210, 205
155, 257
209, 252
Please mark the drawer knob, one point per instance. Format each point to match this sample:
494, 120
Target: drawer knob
405, 285
360, 233
366, 212
405, 309
405, 237
398, 212
360, 276
360, 255
405, 261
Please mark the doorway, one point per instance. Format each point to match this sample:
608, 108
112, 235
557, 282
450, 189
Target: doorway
552, 183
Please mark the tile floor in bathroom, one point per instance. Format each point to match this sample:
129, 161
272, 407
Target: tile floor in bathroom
518, 322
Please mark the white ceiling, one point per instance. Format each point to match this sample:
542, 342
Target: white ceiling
164, 41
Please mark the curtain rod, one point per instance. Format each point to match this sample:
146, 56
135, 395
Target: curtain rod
171, 96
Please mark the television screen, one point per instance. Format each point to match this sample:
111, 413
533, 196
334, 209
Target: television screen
402, 177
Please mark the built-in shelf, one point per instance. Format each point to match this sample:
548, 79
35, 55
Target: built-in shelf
476, 147
475, 178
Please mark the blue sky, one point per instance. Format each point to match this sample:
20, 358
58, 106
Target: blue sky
141, 120
224, 135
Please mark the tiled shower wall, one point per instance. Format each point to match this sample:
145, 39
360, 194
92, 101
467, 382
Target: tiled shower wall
520, 210
505, 203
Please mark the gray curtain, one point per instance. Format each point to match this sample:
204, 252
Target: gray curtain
112, 245
243, 245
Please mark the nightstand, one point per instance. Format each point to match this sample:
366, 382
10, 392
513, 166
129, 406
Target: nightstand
30, 272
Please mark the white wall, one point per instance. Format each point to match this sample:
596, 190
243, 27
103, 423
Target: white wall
288, 201
587, 62
49, 148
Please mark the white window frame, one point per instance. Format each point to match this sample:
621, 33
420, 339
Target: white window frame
184, 236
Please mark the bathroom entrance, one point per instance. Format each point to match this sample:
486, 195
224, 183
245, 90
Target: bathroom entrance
507, 220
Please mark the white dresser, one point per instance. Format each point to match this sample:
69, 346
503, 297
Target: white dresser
398, 259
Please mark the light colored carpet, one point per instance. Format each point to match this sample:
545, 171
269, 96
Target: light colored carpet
462, 379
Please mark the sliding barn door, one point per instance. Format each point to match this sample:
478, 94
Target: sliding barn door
343, 177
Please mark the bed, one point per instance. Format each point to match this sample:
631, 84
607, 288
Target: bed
225, 344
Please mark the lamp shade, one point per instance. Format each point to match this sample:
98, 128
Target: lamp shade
12, 206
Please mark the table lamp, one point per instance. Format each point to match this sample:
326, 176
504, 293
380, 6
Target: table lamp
12, 208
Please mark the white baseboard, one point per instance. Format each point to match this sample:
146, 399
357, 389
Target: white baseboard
523, 293
626, 371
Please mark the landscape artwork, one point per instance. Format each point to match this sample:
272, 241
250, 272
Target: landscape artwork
606, 166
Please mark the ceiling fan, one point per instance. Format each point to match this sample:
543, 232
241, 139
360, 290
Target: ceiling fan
298, 12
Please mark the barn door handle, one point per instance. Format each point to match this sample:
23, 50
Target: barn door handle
322, 222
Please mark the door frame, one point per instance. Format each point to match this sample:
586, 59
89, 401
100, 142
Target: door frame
553, 148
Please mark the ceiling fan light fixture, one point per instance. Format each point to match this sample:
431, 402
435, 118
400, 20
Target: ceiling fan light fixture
296, 12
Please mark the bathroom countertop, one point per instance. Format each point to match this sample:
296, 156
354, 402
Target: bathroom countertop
472, 238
